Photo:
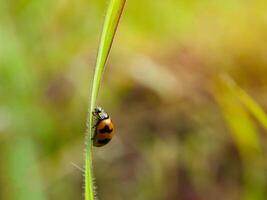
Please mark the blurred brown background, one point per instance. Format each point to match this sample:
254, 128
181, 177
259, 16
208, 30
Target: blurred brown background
181, 86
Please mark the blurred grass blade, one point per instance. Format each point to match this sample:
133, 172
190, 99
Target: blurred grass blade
253, 107
246, 138
112, 18
25, 182
248, 102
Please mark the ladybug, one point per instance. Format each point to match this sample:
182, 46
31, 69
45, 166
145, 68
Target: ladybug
103, 128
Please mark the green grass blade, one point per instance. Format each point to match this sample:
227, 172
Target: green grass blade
246, 138
246, 100
253, 107
112, 18
249, 103
245, 135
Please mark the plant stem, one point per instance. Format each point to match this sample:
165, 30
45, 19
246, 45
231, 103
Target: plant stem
112, 18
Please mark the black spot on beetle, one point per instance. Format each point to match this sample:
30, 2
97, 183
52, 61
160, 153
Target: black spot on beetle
106, 129
104, 141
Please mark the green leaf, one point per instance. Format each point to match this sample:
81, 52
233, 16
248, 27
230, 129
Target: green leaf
112, 18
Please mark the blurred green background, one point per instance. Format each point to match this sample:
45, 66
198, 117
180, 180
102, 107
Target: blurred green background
181, 86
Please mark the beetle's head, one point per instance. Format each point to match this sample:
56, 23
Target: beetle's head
100, 113
98, 109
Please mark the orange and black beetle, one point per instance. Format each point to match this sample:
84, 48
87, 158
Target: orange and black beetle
103, 128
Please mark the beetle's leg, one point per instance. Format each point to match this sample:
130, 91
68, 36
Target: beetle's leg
94, 131
94, 114
92, 138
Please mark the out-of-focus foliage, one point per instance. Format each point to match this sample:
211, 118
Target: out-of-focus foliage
181, 131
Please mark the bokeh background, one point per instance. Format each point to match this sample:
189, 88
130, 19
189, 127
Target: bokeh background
185, 85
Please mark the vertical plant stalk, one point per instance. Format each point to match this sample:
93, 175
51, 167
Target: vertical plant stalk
111, 22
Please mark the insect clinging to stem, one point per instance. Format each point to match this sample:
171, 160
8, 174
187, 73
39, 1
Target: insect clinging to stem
104, 128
